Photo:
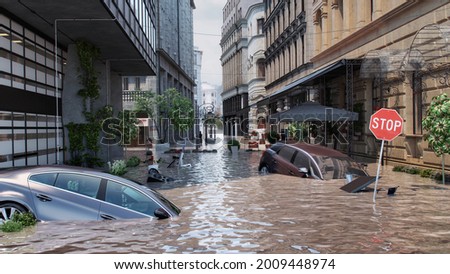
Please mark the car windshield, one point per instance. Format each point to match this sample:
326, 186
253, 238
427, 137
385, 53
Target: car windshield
337, 167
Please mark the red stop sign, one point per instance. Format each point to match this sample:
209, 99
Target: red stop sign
386, 124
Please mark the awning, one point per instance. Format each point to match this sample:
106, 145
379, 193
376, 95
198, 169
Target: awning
313, 111
305, 80
311, 76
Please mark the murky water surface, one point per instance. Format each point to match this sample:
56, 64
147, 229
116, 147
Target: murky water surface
229, 208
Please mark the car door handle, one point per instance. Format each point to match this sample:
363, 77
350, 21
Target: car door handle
43, 198
107, 217
290, 172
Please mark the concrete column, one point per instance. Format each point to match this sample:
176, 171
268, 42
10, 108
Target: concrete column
347, 16
71, 103
336, 23
317, 34
325, 29
377, 9
363, 13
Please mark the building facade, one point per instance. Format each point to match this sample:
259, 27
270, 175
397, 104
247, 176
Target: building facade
235, 78
40, 67
255, 65
176, 66
176, 54
360, 56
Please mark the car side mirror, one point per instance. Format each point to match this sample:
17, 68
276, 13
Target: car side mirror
161, 213
305, 171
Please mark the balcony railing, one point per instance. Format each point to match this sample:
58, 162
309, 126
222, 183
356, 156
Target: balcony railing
132, 96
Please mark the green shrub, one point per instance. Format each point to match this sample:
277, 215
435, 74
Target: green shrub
26, 219
233, 142
426, 173
118, 167
18, 222
398, 169
133, 161
412, 170
11, 226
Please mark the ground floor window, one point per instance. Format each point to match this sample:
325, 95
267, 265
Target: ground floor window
28, 139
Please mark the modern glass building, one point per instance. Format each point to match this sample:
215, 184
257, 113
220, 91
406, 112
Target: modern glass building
38, 97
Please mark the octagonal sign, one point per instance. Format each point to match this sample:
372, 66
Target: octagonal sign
386, 124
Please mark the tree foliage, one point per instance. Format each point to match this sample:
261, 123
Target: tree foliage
437, 123
171, 104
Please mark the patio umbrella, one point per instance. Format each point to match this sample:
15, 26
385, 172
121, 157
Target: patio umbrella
313, 111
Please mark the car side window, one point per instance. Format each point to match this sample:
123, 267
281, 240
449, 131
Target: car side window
302, 160
130, 198
82, 184
44, 178
286, 153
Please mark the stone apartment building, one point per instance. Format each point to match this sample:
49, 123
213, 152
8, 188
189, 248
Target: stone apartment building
242, 62
361, 56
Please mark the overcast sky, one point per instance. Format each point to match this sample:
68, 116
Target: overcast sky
207, 31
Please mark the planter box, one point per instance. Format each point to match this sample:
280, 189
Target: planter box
234, 149
252, 145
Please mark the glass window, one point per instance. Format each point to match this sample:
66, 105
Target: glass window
138, 83
260, 23
18, 65
30, 70
286, 153
5, 61
5, 37
82, 184
30, 52
45, 178
125, 83
130, 198
5, 79
17, 44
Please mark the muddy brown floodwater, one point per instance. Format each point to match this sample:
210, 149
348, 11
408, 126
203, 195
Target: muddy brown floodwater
266, 214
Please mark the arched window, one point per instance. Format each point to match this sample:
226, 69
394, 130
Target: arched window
261, 68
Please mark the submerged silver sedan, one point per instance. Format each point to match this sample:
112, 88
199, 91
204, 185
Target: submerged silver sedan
60, 193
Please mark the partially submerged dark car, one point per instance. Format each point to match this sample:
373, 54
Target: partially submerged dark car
307, 160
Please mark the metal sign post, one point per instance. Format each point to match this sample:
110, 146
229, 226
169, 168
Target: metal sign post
378, 171
386, 125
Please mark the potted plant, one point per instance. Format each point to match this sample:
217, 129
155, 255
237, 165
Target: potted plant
233, 145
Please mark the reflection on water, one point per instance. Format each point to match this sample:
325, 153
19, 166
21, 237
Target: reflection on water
206, 167
265, 214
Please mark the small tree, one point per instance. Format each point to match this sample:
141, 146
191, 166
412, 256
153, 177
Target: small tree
170, 104
437, 123
147, 103
179, 109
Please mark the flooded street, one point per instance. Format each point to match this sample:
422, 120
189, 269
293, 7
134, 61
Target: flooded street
232, 209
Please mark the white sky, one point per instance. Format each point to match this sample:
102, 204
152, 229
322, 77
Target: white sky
207, 33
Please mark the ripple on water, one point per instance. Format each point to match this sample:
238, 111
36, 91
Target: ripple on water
265, 214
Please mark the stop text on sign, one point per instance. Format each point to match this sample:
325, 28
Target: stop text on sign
386, 124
